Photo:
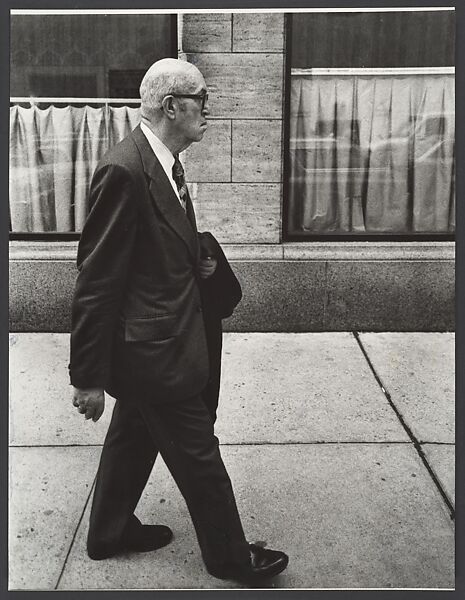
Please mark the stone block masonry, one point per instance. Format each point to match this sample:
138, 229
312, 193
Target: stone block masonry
235, 174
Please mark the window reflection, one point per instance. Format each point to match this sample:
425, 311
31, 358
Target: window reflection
371, 151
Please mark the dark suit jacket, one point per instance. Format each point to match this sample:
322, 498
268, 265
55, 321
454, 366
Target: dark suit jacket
137, 323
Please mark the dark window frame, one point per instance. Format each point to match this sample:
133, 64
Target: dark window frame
73, 236
324, 237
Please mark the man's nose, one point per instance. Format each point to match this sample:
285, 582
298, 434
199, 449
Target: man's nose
206, 109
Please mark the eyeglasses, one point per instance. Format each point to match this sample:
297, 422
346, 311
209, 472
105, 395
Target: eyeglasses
203, 97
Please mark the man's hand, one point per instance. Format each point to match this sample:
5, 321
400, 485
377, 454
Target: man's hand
207, 267
90, 402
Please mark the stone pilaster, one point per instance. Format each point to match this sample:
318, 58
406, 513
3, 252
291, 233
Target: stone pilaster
235, 173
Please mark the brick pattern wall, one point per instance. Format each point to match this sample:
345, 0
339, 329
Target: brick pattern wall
235, 173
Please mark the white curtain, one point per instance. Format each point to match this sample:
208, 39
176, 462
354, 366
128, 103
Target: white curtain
53, 153
372, 154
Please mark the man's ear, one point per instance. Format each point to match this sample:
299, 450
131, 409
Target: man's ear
169, 107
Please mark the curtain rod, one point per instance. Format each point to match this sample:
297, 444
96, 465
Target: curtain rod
39, 100
376, 71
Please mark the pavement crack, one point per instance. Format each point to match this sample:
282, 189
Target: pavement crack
65, 562
55, 445
411, 435
316, 443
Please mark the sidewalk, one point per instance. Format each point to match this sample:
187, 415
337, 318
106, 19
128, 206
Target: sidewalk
354, 482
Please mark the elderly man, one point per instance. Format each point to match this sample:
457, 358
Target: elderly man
138, 332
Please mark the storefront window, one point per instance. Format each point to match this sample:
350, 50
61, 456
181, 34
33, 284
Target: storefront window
372, 124
74, 82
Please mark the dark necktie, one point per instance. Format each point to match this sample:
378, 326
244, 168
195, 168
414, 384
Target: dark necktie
178, 176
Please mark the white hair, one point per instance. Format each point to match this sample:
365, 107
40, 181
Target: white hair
164, 77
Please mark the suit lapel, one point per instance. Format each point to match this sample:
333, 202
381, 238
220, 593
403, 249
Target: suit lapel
164, 196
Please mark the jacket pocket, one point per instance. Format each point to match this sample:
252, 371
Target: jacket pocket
148, 329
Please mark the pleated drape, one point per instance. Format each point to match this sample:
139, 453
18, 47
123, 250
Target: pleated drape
53, 153
372, 154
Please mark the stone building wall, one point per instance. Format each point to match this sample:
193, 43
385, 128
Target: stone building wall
236, 171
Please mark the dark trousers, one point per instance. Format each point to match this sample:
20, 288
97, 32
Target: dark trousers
183, 434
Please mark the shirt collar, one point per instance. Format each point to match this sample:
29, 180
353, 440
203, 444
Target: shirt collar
160, 150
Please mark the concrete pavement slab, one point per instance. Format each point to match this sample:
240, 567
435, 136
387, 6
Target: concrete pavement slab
417, 369
301, 387
41, 412
349, 515
275, 387
48, 491
441, 458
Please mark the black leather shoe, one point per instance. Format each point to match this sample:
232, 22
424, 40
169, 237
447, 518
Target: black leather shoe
267, 563
146, 538
264, 563
136, 538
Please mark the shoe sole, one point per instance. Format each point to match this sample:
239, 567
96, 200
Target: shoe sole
271, 571
128, 549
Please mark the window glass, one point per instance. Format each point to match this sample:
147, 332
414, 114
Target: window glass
79, 55
372, 124
64, 69
373, 39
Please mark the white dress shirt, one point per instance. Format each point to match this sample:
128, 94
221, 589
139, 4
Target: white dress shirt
163, 154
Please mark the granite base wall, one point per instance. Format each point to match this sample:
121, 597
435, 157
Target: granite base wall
279, 295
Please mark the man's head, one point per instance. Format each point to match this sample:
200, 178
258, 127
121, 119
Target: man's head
172, 93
